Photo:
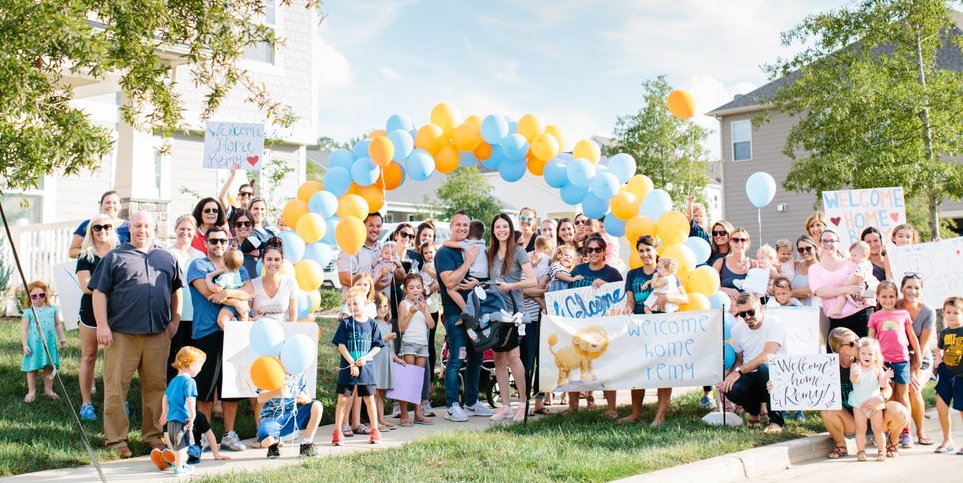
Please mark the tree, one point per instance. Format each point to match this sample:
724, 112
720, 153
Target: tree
44, 41
466, 189
876, 100
666, 148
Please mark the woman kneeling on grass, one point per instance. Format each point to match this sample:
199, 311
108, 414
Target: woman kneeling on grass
840, 422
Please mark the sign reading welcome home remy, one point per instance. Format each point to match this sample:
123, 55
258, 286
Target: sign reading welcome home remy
849, 212
229, 143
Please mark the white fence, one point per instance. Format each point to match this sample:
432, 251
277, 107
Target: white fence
40, 247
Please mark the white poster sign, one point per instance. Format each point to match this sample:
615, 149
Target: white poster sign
849, 212
805, 382
938, 263
68, 292
682, 349
229, 143
239, 355
587, 302
802, 329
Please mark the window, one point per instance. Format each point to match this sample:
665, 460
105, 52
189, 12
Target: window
741, 140
264, 52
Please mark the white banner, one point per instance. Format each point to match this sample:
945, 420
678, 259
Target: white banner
939, 264
68, 292
587, 302
238, 357
805, 382
682, 349
229, 143
849, 212
803, 335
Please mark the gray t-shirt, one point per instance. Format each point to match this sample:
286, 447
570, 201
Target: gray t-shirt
513, 275
926, 319
479, 267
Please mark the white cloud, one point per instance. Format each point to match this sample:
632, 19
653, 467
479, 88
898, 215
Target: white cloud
389, 73
501, 67
334, 70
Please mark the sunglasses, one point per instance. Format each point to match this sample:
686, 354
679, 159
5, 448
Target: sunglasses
912, 275
245, 193
851, 343
746, 313
525, 218
215, 241
738, 240
804, 249
38, 295
208, 211
100, 228
243, 224
719, 233
405, 234
581, 222
594, 249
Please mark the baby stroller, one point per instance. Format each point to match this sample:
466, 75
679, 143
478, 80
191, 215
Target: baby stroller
489, 322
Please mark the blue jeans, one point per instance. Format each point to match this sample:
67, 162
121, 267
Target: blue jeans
458, 338
750, 392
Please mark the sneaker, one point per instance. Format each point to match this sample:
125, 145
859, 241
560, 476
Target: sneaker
183, 470
456, 414
274, 452
479, 409
905, 441
157, 457
87, 412
375, 436
504, 412
308, 450
337, 438
426, 409
193, 454
396, 410
231, 442
707, 403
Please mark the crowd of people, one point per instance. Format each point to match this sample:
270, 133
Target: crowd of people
143, 303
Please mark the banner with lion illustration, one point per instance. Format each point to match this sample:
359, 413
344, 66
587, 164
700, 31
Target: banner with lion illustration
620, 352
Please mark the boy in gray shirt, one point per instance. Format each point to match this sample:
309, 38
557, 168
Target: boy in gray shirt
479, 267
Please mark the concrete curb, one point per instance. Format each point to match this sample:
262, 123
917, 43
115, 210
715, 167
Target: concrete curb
744, 464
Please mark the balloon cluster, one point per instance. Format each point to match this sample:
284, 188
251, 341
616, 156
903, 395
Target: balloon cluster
277, 355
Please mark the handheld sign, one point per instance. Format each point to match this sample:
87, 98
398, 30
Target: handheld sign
229, 143
805, 382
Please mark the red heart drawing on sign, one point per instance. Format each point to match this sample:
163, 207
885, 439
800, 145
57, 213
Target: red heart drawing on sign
253, 160
894, 216
836, 220
957, 252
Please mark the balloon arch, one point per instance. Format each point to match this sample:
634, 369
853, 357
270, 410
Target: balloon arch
328, 215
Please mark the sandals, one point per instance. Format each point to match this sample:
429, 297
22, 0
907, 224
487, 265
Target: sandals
924, 441
406, 423
861, 455
424, 421
948, 448
880, 456
346, 431
540, 412
361, 429
838, 452
892, 449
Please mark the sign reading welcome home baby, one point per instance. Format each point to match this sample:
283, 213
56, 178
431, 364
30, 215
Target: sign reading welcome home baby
805, 382
682, 349
239, 355
587, 302
230, 143
849, 212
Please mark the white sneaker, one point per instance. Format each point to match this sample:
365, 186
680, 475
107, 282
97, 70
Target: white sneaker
456, 414
232, 442
479, 409
396, 410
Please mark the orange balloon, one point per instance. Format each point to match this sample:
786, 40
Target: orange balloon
544, 146
635, 261
673, 227
351, 205
466, 137
530, 126
637, 226
640, 185
444, 116
557, 132
624, 205
473, 119
704, 280
429, 137
536, 166
680, 104
392, 175
381, 150
307, 189
447, 159
267, 373
587, 149
350, 234
483, 151
377, 133
373, 196
293, 210
697, 301
681, 254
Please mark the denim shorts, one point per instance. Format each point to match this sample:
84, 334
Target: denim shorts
901, 371
417, 350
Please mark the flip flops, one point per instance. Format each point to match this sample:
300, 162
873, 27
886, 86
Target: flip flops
406, 423
424, 422
944, 449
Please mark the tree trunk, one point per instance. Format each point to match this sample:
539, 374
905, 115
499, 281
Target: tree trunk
934, 199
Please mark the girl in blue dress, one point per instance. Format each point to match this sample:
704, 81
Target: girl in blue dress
52, 327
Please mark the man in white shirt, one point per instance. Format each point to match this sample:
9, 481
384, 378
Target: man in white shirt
760, 337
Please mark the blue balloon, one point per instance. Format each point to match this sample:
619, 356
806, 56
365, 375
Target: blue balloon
324, 203
319, 252
329, 233
511, 171
399, 121
494, 129
337, 180
512, 127
604, 185
760, 188
699, 247
720, 300
515, 147
293, 245
467, 159
728, 356
298, 353
593, 206
572, 194
581, 172
403, 143
304, 304
614, 226
267, 338
622, 166
496, 159
419, 165
259, 268
567, 157
364, 172
656, 203
728, 323
342, 158
556, 173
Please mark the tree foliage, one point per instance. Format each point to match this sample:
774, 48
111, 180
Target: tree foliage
47, 41
466, 189
666, 148
874, 100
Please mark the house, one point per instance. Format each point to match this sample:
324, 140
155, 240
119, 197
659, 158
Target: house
747, 149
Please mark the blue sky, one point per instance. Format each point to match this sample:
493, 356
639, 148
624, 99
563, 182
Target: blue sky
578, 64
